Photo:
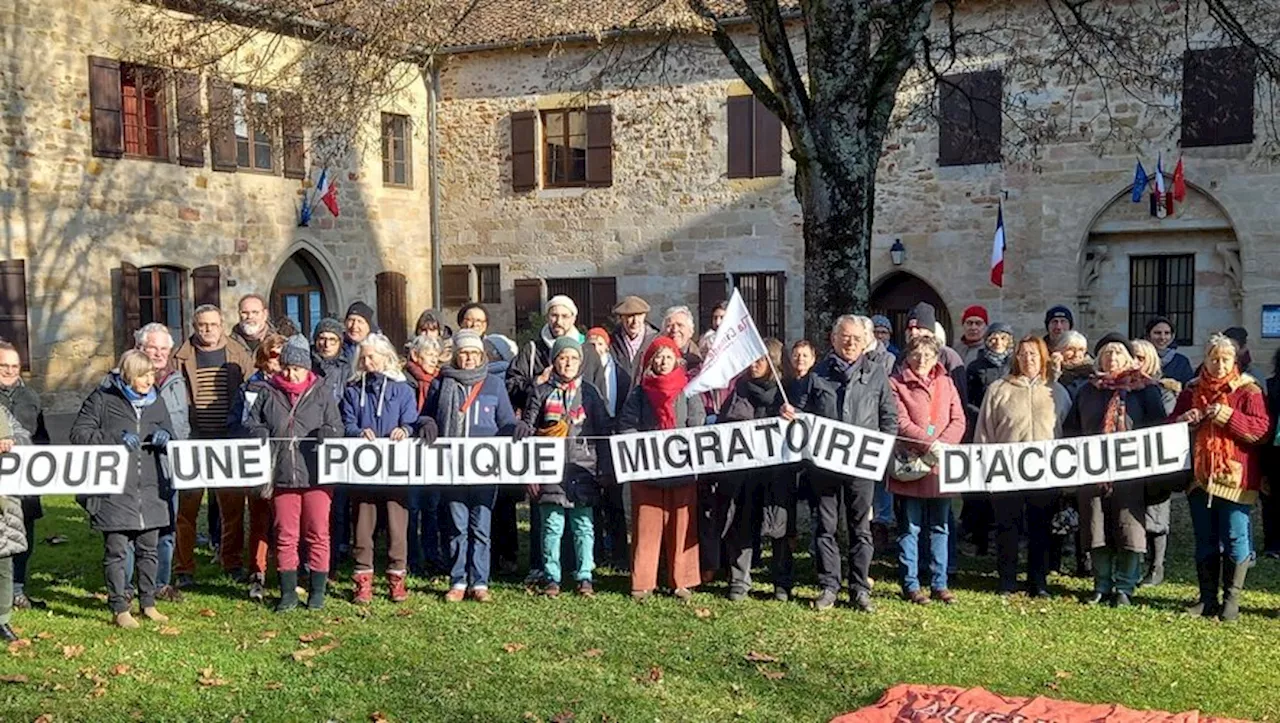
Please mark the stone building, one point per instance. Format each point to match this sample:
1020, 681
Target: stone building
676, 186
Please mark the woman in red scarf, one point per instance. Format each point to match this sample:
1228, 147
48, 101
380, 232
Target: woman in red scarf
1228, 416
664, 511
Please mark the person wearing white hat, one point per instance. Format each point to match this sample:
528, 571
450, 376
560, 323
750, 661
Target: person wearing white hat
532, 365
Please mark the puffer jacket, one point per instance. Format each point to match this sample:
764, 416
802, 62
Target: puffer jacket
25, 404
638, 415
587, 459
295, 462
144, 503
334, 372
13, 535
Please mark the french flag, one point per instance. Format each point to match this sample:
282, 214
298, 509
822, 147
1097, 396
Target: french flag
997, 250
327, 192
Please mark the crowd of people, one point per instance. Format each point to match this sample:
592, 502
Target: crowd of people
261, 379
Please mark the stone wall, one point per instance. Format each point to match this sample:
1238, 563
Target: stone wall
75, 218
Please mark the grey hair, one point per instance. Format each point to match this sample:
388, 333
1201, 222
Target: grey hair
1072, 338
1097, 363
1220, 341
847, 319
206, 309
422, 344
674, 310
939, 333
155, 327
383, 346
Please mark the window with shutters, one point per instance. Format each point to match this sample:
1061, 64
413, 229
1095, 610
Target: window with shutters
564, 159
489, 278
594, 296
144, 112
254, 129
1217, 97
764, 295
455, 284
396, 156
161, 297
1163, 286
755, 139
970, 109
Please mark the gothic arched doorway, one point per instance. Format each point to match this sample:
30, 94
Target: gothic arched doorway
895, 294
300, 292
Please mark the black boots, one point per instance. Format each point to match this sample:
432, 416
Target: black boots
1207, 572
7, 634
315, 596
1233, 574
1156, 546
288, 591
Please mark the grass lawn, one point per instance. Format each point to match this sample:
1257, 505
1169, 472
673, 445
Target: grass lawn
609, 659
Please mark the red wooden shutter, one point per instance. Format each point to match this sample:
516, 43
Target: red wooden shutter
393, 306
767, 141
190, 120
528, 293
106, 107
712, 289
295, 159
222, 129
740, 136
130, 305
206, 285
455, 285
600, 145
13, 308
604, 296
524, 175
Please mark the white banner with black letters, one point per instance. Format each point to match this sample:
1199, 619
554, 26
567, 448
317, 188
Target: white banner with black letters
64, 470
196, 464
452, 461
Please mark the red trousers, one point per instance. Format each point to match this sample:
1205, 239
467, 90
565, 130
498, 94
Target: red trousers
664, 517
231, 505
302, 513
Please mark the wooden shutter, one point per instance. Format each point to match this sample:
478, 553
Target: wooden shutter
190, 119
291, 125
455, 285
13, 308
603, 297
1217, 96
528, 293
393, 306
222, 128
106, 108
130, 304
970, 128
712, 289
600, 146
524, 174
767, 141
740, 136
206, 285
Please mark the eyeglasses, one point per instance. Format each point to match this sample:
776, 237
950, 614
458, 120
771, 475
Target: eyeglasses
10, 367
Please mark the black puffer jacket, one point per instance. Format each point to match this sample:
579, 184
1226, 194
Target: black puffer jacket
586, 460
144, 504
334, 373
295, 463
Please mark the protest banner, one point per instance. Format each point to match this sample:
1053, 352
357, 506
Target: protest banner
197, 464
455, 461
736, 345
63, 470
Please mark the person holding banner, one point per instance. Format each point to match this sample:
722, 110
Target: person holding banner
471, 402
664, 511
1118, 398
297, 411
1228, 414
566, 407
24, 403
14, 538
929, 412
131, 413
380, 403
426, 555
1024, 406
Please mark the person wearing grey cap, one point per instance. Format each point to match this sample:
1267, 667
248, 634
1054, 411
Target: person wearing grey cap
631, 337
883, 331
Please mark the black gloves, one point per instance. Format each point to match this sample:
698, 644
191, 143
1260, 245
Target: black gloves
522, 430
428, 431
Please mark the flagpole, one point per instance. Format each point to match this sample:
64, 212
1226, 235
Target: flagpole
782, 388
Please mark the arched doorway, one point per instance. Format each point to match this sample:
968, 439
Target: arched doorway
300, 292
895, 294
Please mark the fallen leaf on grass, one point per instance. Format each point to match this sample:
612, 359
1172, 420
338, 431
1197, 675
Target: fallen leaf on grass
307, 653
207, 613
312, 637
1062, 675
378, 717
514, 647
564, 716
16, 646
754, 657
98, 692
654, 675
44, 718
702, 613
404, 612
72, 651
593, 653
274, 685
208, 680
44, 635
168, 630
17, 679
120, 669
771, 674
531, 716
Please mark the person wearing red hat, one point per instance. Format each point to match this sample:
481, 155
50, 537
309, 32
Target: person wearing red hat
970, 345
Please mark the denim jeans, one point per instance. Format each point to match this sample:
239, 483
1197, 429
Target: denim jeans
882, 504
470, 539
1115, 570
581, 521
425, 550
914, 514
1220, 527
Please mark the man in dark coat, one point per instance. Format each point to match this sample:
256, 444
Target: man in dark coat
862, 398
631, 337
24, 403
533, 364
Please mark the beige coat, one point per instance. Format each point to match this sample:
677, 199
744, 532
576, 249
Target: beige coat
1016, 409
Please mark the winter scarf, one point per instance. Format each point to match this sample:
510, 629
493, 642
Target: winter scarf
550, 340
662, 389
1119, 384
454, 389
424, 380
563, 407
294, 390
139, 401
1214, 451
996, 360
220, 344
762, 393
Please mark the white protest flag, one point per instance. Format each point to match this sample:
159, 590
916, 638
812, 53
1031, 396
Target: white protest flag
736, 345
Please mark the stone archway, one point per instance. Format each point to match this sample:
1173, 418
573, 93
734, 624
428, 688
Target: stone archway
304, 291
1185, 266
895, 294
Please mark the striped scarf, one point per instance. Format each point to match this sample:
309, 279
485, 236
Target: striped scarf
564, 404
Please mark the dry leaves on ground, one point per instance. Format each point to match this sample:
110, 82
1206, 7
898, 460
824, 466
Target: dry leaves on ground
702, 613
514, 647
771, 674
16, 679
754, 657
378, 717
208, 680
312, 637
120, 669
274, 685
207, 613
18, 646
653, 676
169, 630
564, 716
305, 654
44, 635
72, 651
593, 653
44, 718
404, 612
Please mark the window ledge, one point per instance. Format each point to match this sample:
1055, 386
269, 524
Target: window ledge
257, 171
1235, 151
398, 186
563, 192
758, 183
135, 157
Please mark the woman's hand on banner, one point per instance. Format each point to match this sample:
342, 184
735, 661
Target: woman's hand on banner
399, 433
368, 435
6, 446
522, 430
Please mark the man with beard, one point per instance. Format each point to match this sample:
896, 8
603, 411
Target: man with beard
254, 323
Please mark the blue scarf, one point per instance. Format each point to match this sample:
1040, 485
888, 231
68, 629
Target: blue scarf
137, 400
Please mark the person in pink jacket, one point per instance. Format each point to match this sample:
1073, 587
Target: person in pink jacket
929, 412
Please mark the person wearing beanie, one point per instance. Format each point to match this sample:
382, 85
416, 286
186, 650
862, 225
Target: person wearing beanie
1118, 398
326, 357
470, 402
1058, 320
1173, 363
923, 321
565, 407
359, 323
973, 340
532, 365
297, 414
882, 328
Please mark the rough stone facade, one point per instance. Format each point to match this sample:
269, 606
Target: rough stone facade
75, 218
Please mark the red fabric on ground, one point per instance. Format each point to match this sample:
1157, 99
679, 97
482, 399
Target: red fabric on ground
939, 704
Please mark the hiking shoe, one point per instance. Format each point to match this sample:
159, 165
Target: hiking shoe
256, 591
683, 594
397, 591
482, 595
862, 601
826, 600
7, 634
154, 615
363, 594
455, 594
1094, 598
641, 595
552, 590
944, 596
125, 620
1120, 600
916, 597
586, 589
